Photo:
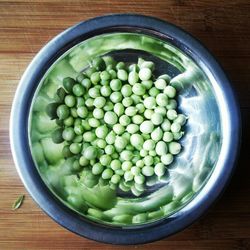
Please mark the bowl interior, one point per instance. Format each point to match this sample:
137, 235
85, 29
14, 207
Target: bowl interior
185, 177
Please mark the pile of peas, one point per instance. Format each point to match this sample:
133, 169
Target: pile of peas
119, 121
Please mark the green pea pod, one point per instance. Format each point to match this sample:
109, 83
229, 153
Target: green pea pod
155, 215
170, 207
140, 218
124, 218
97, 214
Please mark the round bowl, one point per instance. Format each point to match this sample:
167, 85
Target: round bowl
193, 181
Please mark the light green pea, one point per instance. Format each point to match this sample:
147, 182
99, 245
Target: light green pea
175, 127
68, 134
178, 135
166, 77
93, 122
149, 145
110, 138
174, 148
161, 148
160, 84
110, 118
161, 110
140, 179
139, 164
90, 153
138, 89
166, 125
122, 74
99, 102
153, 91
145, 74
97, 168
157, 118
75, 148
147, 64
172, 104
115, 178
104, 75
157, 134
133, 67
89, 102
130, 111
152, 153
82, 112
171, 114
167, 159
128, 176
140, 107
159, 169
168, 136
181, 119
107, 174
119, 172
170, 91
126, 90
109, 106
147, 127
132, 128
78, 90
148, 113
120, 142
127, 136
105, 91
162, 100
116, 84
135, 159
94, 92
101, 132
109, 149
101, 143
149, 102
83, 161
120, 65
112, 73
116, 97
127, 101
136, 140
147, 84
135, 170
124, 120
127, 165
119, 109
78, 129
137, 119
89, 136
70, 100
86, 83
115, 164
95, 77
98, 113
143, 152
148, 171
148, 160
68, 121
136, 99
105, 160
133, 77
118, 129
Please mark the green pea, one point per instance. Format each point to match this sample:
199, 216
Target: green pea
105, 91
60, 95
133, 77
167, 159
126, 90
118, 129
101, 132
85, 125
133, 67
148, 160
128, 176
171, 114
68, 134
119, 109
157, 118
89, 136
174, 148
107, 174
143, 152
110, 138
110, 118
160, 84
83, 161
140, 107
116, 97
127, 101
166, 125
166, 77
68, 84
138, 89
82, 112
119, 172
109, 149
147, 127
68, 121
86, 83
78, 129
89, 102
148, 171
101, 143
168, 136
90, 153
147, 64
124, 120
178, 135
172, 104
126, 155
120, 142
154, 91
51, 110
62, 111
161, 110
145, 74
115, 164
98, 113
104, 75
78, 90
115, 179
130, 111
73, 112
136, 140
135, 170
94, 92
99, 102
109, 61
161, 148
112, 74
137, 119
181, 119
97, 168
132, 128
56, 136
136, 99
109, 106
148, 113
157, 134
149, 145
149, 102
122, 74
120, 65
139, 218
75, 148
162, 99
80, 101
170, 91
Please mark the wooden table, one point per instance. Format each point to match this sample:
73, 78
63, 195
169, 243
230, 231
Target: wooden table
25, 26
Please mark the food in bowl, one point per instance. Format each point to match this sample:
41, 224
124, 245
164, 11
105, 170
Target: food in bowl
190, 184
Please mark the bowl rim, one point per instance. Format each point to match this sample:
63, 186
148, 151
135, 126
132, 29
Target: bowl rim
30, 176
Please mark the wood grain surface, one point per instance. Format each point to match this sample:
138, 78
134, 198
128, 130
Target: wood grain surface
25, 26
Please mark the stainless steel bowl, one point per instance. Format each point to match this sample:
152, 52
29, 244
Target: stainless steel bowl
199, 174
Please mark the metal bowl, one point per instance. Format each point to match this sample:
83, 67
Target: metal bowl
199, 174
